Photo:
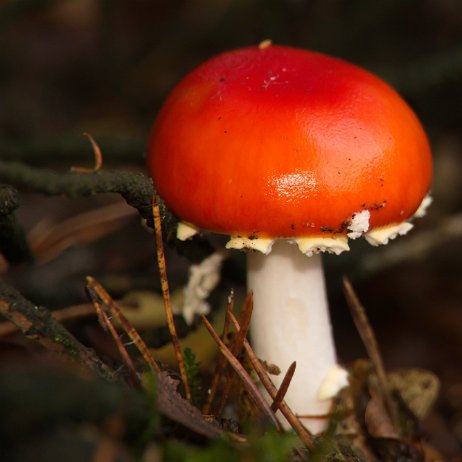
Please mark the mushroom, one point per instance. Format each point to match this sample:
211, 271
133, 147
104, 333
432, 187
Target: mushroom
291, 153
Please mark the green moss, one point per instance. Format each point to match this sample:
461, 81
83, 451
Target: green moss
270, 447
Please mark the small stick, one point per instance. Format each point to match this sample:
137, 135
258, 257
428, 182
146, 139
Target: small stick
166, 295
221, 361
370, 342
299, 428
243, 374
97, 291
284, 387
236, 348
98, 158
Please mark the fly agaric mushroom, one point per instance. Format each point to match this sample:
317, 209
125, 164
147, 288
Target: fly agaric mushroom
270, 144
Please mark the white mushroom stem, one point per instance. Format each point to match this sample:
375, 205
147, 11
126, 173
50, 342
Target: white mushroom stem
290, 322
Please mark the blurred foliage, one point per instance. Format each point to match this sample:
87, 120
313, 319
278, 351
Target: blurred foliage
270, 447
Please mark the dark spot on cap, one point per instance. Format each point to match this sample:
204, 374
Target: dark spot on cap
377, 206
343, 227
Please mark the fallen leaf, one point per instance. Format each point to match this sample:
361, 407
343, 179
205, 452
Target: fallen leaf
418, 388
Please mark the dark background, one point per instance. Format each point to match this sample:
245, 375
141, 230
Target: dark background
104, 67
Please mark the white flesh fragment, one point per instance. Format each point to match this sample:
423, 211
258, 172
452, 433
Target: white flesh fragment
359, 224
261, 244
336, 379
422, 210
265, 44
381, 236
313, 245
203, 278
307, 245
186, 231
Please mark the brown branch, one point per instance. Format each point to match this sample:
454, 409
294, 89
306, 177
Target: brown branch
37, 324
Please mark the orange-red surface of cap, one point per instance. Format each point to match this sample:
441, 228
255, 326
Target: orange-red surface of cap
282, 142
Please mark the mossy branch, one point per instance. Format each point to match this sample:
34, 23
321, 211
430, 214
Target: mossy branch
135, 188
38, 324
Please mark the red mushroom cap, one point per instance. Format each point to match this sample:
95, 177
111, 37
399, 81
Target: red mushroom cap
281, 142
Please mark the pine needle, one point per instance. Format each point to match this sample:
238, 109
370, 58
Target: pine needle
166, 295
